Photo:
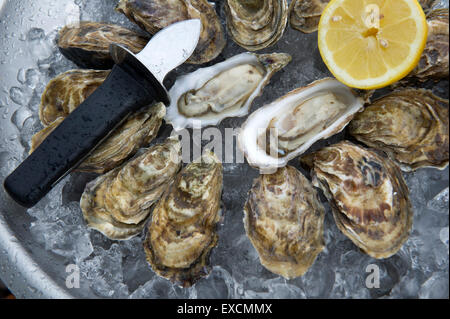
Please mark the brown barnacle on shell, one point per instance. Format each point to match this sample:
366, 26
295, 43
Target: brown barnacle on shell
283, 218
154, 15
304, 15
182, 230
410, 125
368, 196
87, 43
118, 203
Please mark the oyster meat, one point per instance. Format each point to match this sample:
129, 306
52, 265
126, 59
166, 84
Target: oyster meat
226, 89
154, 15
410, 125
368, 196
256, 24
284, 221
182, 230
304, 15
118, 203
87, 43
286, 128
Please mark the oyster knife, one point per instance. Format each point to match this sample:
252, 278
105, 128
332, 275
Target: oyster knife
135, 81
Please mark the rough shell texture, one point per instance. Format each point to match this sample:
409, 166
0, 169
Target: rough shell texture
284, 221
182, 231
66, 91
119, 202
286, 128
410, 125
368, 196
87, 43
137, 131
304, 15
226, 89
428, 4
154, 15
256, 24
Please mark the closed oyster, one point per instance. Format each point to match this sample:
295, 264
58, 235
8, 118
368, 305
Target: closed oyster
427, 4
138, 130
256, 24
410, 125
66, 91
284, 221
368, 196
226, 89
182, 231
286, 128
304, 15
154, 15
119, 202
87, 43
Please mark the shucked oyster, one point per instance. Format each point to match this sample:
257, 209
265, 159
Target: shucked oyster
87, 43
286, 128
304, 15
182, 231
119, 202
154, 15
256, 24
226, 89
66, 91
138, 130
284, 221
410, 125
368, 196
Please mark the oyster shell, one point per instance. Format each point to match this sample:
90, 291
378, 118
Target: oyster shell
410, 125
286, 128
182, 231
154, 15
87, 43
138, 130
427, 4
256, 24
118, 203
284, 221
66, 91
304, 15
368, 196
226, 89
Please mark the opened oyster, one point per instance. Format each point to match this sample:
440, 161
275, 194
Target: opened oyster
154, 15
304, 15
137, 131
256, 24
226, 89
286, 128
66, 91
182, 231
118, 203
410, 125
87, 43
284, 221
368, 196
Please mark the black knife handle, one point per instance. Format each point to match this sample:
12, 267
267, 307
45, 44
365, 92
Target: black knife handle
127, 88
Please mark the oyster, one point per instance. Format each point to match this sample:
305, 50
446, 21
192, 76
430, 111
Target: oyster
182, 231
138, 130
284, 221
66, 91
286, 128
226, 89
119, 202
410, 125
367, 194
427, 4
256, 24
154, 15
87, 43
304, 15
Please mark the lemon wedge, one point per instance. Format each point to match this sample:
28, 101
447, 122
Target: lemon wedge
370, 44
